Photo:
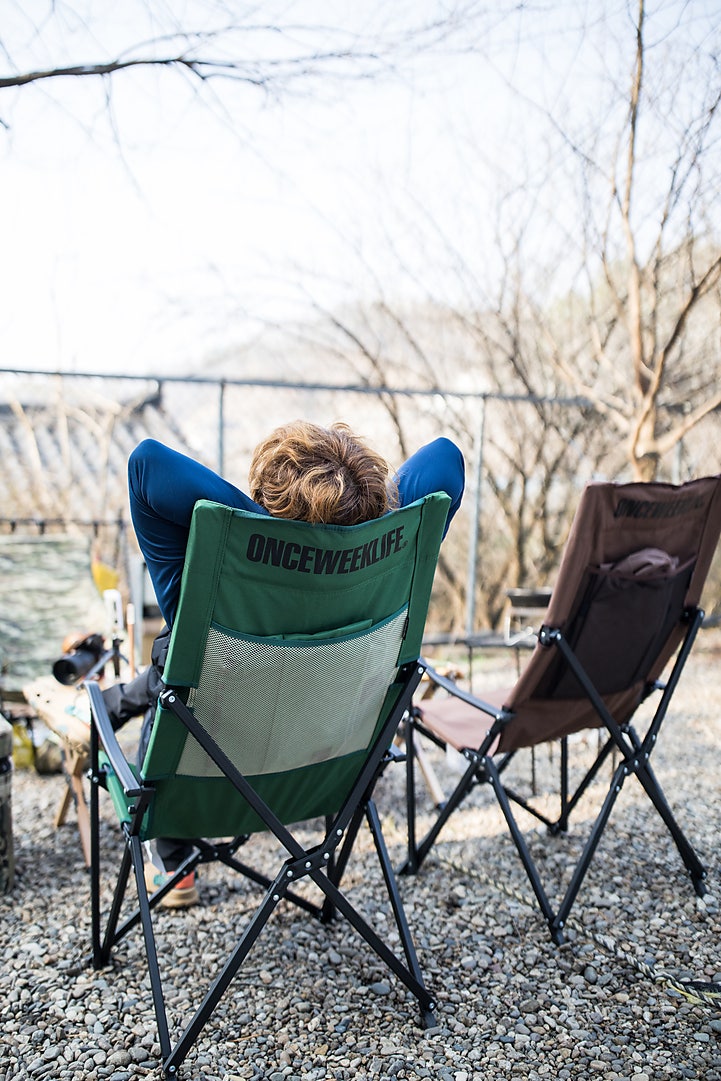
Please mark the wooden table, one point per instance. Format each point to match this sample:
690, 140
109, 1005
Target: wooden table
64, 711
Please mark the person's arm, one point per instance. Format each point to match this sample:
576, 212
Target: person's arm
436, 467
164, 487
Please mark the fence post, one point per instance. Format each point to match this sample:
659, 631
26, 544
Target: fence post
7, 852
221, 427
475, 531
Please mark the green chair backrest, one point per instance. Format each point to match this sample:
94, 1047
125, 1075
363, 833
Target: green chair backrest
286, 646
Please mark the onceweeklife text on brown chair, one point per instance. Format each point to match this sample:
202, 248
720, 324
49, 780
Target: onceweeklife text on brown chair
293, 658
619, 628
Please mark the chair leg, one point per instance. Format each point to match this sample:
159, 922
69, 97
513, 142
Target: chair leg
409, 975
135, 852
695, 868
95, 860
404, 930
111, 936
394, 963
417, 851
569, 802
521, 846
652, 788
411, 863
563, 817
337, 864
174, 1058
558, 922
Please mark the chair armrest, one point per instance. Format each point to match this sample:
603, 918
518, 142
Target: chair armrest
465, 696
100, 719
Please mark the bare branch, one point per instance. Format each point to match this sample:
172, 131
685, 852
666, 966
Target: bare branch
634, 274
269, 71
707, 282
671, 438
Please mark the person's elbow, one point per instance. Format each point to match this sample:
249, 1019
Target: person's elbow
456, 466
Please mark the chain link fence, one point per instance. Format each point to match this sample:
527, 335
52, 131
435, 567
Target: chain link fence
65, 439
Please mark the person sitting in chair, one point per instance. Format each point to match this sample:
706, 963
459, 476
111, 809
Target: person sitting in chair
301, 471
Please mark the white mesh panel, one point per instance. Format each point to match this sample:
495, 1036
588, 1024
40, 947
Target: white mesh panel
274, 706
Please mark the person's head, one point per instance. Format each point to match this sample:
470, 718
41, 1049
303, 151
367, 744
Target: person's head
321, 475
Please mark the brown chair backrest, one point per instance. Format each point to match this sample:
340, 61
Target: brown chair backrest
637, 555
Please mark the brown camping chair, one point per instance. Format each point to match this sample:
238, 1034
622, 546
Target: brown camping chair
625, 608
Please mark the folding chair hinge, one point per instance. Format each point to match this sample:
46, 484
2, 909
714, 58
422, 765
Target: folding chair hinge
633, 764
478, 761
394, 754
548, 636
98, 777
311, 861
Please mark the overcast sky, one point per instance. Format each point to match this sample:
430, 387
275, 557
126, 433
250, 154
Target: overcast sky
148, 224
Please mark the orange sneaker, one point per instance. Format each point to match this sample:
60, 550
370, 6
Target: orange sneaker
183, 895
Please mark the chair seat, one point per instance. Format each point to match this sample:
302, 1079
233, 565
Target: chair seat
458, 723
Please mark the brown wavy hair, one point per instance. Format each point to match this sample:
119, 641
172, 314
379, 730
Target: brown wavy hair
321, 475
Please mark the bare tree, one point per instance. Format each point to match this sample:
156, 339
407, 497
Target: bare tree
647, 351
635, 335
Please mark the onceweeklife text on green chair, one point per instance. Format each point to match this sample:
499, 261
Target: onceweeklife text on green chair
294, 656
620, 625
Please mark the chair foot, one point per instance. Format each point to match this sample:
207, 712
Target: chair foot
428, 1019
327, 913
557, 936
559, 828
699, 884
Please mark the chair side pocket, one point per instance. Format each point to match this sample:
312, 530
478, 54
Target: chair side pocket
620, 627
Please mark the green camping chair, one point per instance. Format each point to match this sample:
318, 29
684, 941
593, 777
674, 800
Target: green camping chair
293, 658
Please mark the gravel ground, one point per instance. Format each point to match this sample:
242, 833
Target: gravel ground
313, 1002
